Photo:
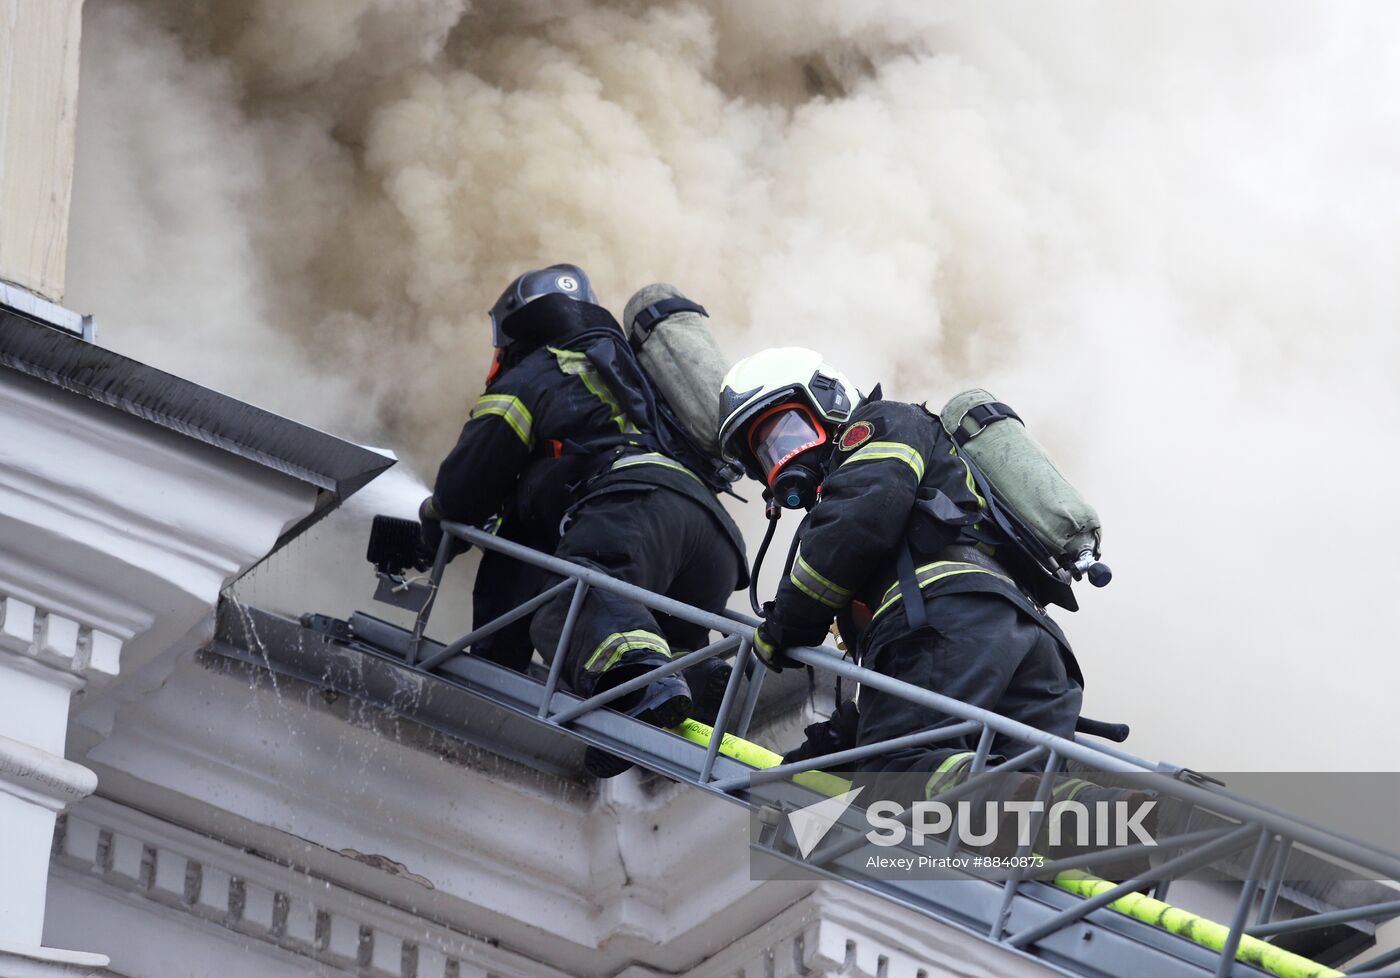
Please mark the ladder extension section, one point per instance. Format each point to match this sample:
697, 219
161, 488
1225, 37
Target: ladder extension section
1132, 933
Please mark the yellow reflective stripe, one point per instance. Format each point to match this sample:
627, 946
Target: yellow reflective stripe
929, 574
652, 458
510, 409
876, 450
971, 482
618, 643
1071, 785
806, 579
814, 595
948, 774
768, 648
802, 562
952, 759
577, 364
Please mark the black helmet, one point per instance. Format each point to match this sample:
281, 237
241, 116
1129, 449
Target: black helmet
566, 280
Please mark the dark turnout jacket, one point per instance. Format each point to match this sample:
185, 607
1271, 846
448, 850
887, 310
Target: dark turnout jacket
568, 416
889, 457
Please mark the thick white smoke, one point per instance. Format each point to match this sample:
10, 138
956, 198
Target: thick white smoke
1166, 234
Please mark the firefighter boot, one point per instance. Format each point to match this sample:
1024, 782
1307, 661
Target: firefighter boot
999, 827
836, 733
1109, 817
664, 703
707, 681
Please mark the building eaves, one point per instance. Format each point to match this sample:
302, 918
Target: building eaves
55, 353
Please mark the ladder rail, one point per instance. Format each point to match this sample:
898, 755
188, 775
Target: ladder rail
1223, 802
738, 625
1336, 844
1254, 820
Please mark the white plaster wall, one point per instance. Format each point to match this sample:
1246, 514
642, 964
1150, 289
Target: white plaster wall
123, 528
643, 878
28, 831
116, 539
125, 878
33, 708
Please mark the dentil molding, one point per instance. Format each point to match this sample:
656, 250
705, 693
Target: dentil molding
135, 857
56, 640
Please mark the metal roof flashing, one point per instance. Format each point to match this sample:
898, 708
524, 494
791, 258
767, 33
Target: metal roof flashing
49, 313
54, 345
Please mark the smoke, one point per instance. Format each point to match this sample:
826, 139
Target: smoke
1166, 234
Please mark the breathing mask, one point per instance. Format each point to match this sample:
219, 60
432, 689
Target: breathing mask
785, 441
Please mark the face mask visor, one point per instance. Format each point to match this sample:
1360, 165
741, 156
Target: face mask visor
511, 301
781, 434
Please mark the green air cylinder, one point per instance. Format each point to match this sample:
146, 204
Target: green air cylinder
1023, 476
680, 355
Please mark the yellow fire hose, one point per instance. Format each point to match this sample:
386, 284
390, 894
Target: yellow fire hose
1261, 954
1207, 933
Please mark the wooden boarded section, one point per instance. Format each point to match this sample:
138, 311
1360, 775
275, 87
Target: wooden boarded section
38, 104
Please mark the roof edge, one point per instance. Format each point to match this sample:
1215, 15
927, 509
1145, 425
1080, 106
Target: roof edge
60, 353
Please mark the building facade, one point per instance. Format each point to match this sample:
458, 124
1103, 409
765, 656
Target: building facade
170, 813
174, 812
171, 809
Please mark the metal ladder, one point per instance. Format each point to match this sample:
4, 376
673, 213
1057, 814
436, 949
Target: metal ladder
1095, 932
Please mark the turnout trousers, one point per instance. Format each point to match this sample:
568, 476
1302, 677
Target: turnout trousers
503, 583
979, 648
652, 537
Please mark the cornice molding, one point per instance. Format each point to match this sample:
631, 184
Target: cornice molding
133, 855
117, 536
458, 834
643, 875
831, 932
48, 962
454, 833
40, 777
839, 932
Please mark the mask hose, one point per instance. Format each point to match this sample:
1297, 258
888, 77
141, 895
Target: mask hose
773, 511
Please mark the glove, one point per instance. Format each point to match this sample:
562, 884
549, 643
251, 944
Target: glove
430, 523
430, 536
766, 647
831, 735
771, 637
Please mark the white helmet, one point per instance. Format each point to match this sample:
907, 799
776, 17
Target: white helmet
779, 404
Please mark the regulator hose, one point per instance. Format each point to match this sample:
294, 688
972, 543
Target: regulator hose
773, 511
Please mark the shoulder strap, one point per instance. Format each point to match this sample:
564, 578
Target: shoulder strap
646, 319
983, 415
914, 609
935, 503
1046, 585
617, 361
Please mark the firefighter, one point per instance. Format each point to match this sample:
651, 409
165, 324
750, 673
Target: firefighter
565, 447
937, 610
